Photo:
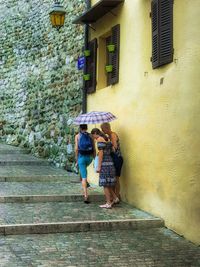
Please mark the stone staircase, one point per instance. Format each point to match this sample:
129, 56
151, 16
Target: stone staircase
38, 198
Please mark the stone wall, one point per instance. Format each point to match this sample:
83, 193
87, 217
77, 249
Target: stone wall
40, 86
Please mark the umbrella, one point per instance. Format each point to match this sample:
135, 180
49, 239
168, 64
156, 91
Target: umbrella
94, 117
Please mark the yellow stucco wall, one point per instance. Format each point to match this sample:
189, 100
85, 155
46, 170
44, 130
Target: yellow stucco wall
158, 115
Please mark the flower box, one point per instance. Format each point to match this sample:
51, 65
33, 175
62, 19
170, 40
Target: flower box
86, 77
109, 68
111, 47
86, 53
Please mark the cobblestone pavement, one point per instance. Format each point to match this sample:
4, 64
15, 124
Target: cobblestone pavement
20, 213
152, 247
20, 158
18, 171
31, 188
12, 149
141, 248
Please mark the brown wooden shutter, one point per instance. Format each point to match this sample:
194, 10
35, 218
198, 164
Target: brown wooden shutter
108, 59
90, 67
162, 32
155, 36
115, 39
166, 31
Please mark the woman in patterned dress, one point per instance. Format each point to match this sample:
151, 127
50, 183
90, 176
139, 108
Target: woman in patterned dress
117, 156
105, 167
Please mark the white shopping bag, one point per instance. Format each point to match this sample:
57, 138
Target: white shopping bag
96, 161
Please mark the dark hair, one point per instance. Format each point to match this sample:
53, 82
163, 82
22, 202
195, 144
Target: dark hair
97, 131
83, 127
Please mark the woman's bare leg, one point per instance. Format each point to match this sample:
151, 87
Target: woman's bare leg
112, 193
117, 187
84, 185
107, 195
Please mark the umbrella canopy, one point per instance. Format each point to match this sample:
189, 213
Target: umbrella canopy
94, 117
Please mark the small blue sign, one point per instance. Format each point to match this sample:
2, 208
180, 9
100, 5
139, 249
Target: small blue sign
81, 63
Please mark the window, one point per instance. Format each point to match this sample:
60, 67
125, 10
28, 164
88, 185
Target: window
102, 61
162, 32
108, 60
90, 67
113, 57
105, 58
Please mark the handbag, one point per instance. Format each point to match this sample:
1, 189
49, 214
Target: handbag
113, 155
115, 158
96, 162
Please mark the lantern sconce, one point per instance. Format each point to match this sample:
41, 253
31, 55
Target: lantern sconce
57, 15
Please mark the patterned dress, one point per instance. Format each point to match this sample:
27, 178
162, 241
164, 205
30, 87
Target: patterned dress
117, 159
118, 150
107, 174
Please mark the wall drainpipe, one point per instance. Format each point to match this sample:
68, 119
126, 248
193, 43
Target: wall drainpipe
86, 34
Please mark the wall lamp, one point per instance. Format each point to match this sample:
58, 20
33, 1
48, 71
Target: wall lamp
57, 15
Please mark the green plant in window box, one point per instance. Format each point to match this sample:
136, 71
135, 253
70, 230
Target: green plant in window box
109, 68
86, 77
86, 53
111, 47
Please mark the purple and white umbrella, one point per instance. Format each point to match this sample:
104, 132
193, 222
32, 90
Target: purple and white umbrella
94, 117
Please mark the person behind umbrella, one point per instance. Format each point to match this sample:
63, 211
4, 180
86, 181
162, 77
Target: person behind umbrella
116, 155
105, 167
84, 152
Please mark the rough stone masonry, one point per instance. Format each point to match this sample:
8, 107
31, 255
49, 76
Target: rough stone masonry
40, 85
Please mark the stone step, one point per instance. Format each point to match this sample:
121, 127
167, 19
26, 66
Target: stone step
25, 213
21, 159
8, 149
82, 226
39, 178
55, 217
13, 151
37, 198
40, 188
49, 198
21, 173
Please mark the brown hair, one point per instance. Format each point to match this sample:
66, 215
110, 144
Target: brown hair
97, 131
106, 125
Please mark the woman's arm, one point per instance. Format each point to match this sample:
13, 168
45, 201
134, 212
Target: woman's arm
76, 147
113, 139
100, 153
94, 148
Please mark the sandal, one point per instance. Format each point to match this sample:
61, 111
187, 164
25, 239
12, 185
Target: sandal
86, 200
106, 206
116, 200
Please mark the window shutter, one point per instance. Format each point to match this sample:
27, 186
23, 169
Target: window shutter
108, 59
115, 39
166, 31
162, 32
90, 67
155, 36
